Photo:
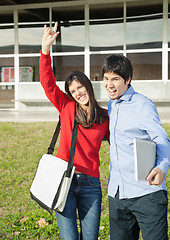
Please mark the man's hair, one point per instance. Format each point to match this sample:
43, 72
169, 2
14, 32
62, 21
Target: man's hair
118, 64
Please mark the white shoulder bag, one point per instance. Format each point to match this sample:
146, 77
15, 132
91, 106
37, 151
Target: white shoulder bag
53, 177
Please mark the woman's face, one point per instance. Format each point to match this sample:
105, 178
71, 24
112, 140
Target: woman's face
79, 93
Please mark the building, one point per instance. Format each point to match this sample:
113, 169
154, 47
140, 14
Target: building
90, 30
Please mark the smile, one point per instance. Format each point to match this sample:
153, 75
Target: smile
82, 98
112, 91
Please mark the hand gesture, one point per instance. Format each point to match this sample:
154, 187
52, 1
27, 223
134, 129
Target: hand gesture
156, 177
48, 38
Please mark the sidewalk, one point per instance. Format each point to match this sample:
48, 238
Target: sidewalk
48, 116
28, 116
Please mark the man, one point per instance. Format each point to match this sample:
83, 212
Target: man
134, 205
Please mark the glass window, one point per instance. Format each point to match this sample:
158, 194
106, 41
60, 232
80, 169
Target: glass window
31, 28
6, 70
6, 32
106, 26
7, 76
64, 65
144, 24
33, 15
71, 25
169, 23
29, 69
96, 63
7, 96
6, 16
146, 66
30, 38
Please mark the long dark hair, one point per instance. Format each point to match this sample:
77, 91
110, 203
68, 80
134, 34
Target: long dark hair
95, 114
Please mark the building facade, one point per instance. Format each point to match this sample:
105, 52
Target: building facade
90, 30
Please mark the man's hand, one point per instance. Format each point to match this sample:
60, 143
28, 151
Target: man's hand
155, 177
48, 38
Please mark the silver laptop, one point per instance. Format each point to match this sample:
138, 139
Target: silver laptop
145, 155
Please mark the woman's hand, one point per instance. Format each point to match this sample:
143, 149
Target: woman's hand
48, 38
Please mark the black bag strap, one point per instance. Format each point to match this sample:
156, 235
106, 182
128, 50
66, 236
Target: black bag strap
54, 138
72, 148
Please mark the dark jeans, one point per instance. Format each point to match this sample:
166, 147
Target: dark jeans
148, 213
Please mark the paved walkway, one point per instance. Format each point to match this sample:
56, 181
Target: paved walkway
48, 116
28, 116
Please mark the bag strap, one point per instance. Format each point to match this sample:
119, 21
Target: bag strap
54, 138
72, 148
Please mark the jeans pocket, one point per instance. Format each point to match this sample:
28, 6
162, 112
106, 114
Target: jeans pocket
94, 181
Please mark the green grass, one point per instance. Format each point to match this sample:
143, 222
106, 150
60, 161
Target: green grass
21, 146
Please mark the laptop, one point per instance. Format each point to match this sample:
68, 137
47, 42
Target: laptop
145, 156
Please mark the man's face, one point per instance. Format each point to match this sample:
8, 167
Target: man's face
115, 85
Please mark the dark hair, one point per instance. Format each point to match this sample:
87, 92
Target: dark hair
96, 114
118, 64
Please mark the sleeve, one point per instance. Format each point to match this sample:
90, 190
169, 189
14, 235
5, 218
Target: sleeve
57, 97
152, 125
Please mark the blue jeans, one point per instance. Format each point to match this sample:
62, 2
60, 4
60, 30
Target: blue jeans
84, 198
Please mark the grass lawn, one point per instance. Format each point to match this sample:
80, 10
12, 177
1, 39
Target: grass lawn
21, 146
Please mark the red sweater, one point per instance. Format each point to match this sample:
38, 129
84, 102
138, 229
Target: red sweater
89, 140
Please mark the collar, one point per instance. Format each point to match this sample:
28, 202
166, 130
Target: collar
126, 96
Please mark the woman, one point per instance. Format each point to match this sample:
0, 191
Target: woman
85, 193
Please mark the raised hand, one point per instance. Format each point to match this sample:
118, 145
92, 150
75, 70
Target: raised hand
48, 38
